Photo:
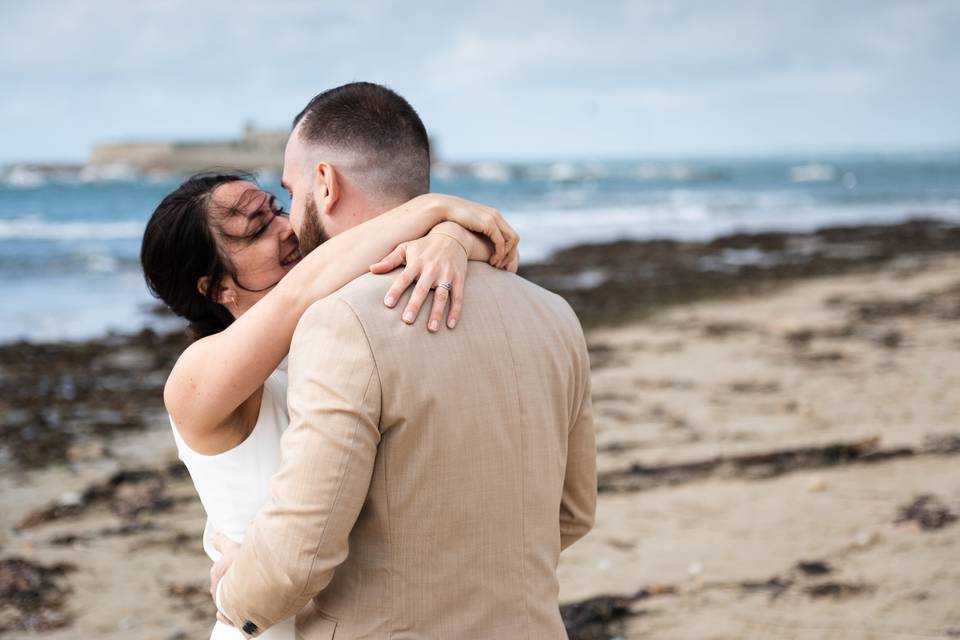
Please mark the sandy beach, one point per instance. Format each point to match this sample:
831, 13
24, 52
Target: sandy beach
777, 421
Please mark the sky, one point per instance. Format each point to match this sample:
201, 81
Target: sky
501, 79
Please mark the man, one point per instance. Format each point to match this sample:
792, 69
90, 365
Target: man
428, 481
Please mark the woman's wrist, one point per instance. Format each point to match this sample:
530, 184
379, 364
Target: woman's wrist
457, 233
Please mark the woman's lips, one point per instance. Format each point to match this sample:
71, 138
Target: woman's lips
292, 257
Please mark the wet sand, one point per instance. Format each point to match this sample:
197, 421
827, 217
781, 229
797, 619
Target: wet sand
762, 459
779, 440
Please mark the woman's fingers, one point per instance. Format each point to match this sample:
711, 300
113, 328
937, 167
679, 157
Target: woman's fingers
513, 263
400, 284
420, 292
512, 241
454, 316
214, 579
391, 261
492, 231
433, 261
498, 226
219, 541
440, 297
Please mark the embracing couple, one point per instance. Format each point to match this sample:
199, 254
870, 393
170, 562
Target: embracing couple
383, 480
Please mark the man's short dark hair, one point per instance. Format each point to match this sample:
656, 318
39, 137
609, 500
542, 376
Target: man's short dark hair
378, 125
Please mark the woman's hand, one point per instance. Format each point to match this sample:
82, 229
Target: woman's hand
440, 258
482, 219
430, 261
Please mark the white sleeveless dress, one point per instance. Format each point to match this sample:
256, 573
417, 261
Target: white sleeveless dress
233, 485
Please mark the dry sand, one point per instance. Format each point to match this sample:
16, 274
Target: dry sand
697, 535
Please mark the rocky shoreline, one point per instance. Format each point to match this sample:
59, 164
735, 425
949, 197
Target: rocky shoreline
61, 402
609, 284
71, 413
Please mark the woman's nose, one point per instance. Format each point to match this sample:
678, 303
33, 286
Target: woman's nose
286, 229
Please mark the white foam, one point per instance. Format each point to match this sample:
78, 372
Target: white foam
23, 177
33, 228
97, 263
693, 216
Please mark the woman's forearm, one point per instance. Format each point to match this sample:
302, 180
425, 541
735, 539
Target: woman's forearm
218, 373
349, 255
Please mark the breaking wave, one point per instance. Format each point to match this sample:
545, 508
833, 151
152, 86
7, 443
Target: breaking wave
34, 228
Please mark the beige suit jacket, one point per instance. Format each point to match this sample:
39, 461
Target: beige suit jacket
428, 481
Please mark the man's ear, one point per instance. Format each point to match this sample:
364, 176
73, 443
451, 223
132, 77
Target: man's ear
326, 187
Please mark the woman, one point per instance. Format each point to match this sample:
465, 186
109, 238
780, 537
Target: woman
220, 252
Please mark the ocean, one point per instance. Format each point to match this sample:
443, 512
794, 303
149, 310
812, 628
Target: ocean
69, 248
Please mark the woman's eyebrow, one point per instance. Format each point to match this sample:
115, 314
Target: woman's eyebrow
256, 213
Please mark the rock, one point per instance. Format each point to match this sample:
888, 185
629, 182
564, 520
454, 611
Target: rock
836, 590
813, 567
32, 598
597, 618
928, 512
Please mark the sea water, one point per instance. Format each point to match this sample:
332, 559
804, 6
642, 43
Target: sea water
69, 249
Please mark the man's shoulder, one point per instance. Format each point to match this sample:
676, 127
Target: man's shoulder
347, 301
356, 303
483, 282
365, 292
485, 285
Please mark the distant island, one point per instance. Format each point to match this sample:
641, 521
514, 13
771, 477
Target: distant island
255, 150
260, 151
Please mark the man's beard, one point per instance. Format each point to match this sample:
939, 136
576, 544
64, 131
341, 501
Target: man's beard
312, 234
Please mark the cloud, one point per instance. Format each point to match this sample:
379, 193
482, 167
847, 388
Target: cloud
495, 78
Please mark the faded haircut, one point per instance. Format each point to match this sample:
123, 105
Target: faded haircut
379, 129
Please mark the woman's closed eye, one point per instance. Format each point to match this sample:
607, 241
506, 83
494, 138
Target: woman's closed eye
273, 216
259, 232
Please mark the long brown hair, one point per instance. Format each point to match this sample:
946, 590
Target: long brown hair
179, 247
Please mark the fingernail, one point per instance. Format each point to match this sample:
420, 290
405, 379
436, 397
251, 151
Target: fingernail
452, 322
389, 301
434, 325
408, 316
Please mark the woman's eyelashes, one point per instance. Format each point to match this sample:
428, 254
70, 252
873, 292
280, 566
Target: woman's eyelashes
273, 215
254, 235
260, 231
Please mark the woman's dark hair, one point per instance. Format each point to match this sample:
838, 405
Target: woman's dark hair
179, 247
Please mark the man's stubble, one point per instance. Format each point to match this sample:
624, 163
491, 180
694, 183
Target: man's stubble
312, 233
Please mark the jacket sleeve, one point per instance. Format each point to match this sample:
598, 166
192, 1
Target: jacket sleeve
300, 536
579, 501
